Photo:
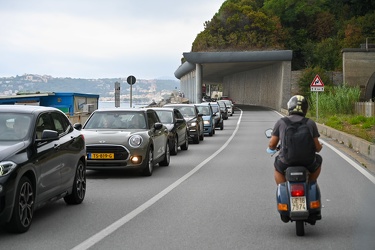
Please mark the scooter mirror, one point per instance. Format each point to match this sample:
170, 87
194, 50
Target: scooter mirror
268, 132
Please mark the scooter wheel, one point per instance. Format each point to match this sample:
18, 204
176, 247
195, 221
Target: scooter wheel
300, 228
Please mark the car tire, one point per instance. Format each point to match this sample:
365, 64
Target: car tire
212, 132
174, 146
222, 126
79, 186
148, 165
167, 157
23, 209
185, 146
201, 137
196, 139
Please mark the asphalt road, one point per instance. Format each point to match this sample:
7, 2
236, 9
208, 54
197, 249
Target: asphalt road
219, 194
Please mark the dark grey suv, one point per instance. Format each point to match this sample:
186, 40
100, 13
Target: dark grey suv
193, 119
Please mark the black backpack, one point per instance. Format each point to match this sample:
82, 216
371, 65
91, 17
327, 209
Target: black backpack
298, 147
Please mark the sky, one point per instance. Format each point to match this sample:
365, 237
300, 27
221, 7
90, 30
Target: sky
99, 38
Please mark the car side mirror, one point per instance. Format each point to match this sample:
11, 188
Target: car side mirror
77, 126
158, 125
268, 132
49, 135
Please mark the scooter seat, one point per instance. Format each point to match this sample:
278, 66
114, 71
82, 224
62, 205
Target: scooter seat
297, 173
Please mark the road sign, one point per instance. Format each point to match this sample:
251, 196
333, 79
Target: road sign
317, 84
131, 80
117, 94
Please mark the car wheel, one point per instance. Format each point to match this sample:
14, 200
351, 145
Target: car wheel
201, 137
174, 146
148, 167
185, 146
23, 209
79, 186
167, 157
222, 126
196, 139
212, 131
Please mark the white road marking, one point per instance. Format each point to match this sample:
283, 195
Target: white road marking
119, 223
351, 162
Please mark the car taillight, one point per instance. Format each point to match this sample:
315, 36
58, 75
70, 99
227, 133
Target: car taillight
297, 190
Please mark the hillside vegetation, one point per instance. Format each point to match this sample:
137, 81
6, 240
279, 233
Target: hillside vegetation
316, 31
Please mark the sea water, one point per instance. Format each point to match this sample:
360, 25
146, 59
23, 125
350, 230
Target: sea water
111, 104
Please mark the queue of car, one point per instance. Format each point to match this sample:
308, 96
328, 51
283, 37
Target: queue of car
44, 157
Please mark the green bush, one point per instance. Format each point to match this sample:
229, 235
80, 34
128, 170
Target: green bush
335, 100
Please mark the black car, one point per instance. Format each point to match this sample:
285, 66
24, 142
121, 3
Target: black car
219, 120
177, 127
42, 159
193, 119
223, 109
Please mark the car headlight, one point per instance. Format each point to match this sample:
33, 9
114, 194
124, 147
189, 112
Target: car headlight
193, 124
6, 167
135, 141
206, 122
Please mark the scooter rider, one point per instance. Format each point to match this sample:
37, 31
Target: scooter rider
297, 108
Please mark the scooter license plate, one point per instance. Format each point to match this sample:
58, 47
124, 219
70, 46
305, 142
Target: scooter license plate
298, 204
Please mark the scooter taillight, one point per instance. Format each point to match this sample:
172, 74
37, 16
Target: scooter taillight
297, 190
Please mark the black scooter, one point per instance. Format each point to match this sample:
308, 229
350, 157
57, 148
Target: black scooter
298, 199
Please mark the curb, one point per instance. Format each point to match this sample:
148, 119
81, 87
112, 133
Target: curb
361, 146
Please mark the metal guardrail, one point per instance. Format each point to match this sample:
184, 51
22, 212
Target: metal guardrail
366, 109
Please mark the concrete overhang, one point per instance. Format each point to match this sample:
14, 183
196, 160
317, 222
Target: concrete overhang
217, 65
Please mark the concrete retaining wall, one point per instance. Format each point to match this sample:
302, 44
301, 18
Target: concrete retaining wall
267, 86
359, 145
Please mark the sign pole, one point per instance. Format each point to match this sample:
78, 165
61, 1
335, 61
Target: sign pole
131, 95
316, 86
131, 80
317, 103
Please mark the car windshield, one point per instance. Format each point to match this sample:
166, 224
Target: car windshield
14, 126
215, 108
116, 120
165, 116
221, 104
204, 110
187, 111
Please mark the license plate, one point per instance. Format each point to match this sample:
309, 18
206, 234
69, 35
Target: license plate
298, 204
101, 156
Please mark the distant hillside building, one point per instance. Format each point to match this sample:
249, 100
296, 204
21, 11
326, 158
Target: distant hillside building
69, 103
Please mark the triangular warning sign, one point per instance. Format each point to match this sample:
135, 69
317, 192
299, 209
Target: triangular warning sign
317, 82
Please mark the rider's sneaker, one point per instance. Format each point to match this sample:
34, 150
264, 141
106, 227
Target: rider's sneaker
313, 218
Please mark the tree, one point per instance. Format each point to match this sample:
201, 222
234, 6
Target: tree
240, 26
